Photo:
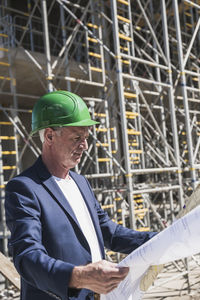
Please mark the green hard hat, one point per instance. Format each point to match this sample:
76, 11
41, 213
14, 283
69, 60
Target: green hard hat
60, 108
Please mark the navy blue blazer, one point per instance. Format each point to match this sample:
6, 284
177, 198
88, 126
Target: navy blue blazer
46, 240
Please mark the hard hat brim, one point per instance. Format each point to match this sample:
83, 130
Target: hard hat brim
83, 123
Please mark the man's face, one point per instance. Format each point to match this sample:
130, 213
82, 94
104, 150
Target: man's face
68, 145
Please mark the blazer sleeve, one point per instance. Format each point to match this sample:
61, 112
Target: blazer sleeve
119, 238
30, 257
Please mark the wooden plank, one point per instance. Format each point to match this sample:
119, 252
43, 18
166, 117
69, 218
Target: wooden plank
8, 270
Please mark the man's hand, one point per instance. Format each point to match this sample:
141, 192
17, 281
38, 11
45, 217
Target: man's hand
101, 277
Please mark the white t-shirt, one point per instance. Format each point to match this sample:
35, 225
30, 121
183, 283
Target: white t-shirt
77, 203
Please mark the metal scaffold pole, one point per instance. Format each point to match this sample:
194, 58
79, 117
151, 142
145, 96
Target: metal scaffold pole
184, 94
171, 102
123, 114
47, 47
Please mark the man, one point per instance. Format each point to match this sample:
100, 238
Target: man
58, 229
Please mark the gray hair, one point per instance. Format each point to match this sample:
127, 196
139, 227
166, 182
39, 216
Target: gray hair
41, 134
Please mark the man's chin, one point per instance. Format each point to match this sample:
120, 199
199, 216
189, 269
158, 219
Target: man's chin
77, 156
77, 160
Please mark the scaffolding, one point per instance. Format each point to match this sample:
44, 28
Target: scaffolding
136, 64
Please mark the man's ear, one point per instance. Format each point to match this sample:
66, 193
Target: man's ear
48, 134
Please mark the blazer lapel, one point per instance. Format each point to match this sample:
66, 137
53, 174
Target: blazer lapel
51, 186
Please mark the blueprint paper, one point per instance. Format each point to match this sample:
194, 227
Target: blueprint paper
180, 240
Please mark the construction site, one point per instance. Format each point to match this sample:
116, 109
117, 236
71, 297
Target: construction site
136, 64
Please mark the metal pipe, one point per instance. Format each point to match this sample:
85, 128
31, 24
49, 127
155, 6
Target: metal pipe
192, 4
145, 80
191, 43
171, 102
157, 189
123, 114
184, 93
73, 79
47, 47
154, 170
147, 62
100, 175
